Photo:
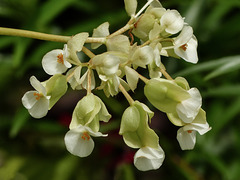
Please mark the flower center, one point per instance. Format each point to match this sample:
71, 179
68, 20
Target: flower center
85, 136
38, 95
60, 58
184, 47
189, 131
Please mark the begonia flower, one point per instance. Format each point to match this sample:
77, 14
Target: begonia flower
173, 21
147, 158
55, 61
188, 109
78, 140
36, 102
186, 135
186, 45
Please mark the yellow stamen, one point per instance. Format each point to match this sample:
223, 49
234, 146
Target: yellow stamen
184, 47
60, 58
38, 96
85, 136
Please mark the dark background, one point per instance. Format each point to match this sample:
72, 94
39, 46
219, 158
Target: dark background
34, 148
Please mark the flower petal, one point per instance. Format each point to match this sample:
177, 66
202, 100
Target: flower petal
132, 77
186, 139
40, 108
188, 109
200, 128
36, 84
29, 99
147, 158
173, 21
79, 143
185, 35
189, 53
53, 62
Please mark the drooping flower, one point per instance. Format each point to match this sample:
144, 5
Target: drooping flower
172, 21
135, 129
169, 97
36, 102
186, 135
188, 109
186, 45
78, 140
55, 61
147, 158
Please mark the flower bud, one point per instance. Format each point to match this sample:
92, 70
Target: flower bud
164, 94
143, 26
88, 112
172, 21
135, 129
56, 87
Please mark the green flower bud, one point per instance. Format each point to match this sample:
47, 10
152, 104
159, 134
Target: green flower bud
130, 6
135, 129
56, 87
165, 94
182, 82
75, 45
143, 26
100, 31
88, 112
118, 43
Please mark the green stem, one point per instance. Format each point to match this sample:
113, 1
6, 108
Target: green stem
145, 80
32, 34
44, 36
89, 90
128, 26
125, 93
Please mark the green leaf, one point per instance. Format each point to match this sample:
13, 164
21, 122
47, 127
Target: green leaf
225, 90
11, 167
230, 66
65, 168
50, 10
211, 64
19, 121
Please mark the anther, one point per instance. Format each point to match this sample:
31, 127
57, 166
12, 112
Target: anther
60, 58
38, 96
184, 47
85, 136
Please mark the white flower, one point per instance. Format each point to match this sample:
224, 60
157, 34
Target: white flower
55, 61
188, 109
186, 45
37, 102
186, 135
147, 158
172, 21
78, 140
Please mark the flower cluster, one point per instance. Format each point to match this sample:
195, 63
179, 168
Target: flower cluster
161, 32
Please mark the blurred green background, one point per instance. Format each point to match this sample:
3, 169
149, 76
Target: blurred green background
34, 148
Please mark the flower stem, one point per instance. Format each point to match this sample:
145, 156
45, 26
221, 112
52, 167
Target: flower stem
125, 93
166, 75
32, 34
89, 90
88, 52
145, 80
128, 26
143, 8
44, 36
